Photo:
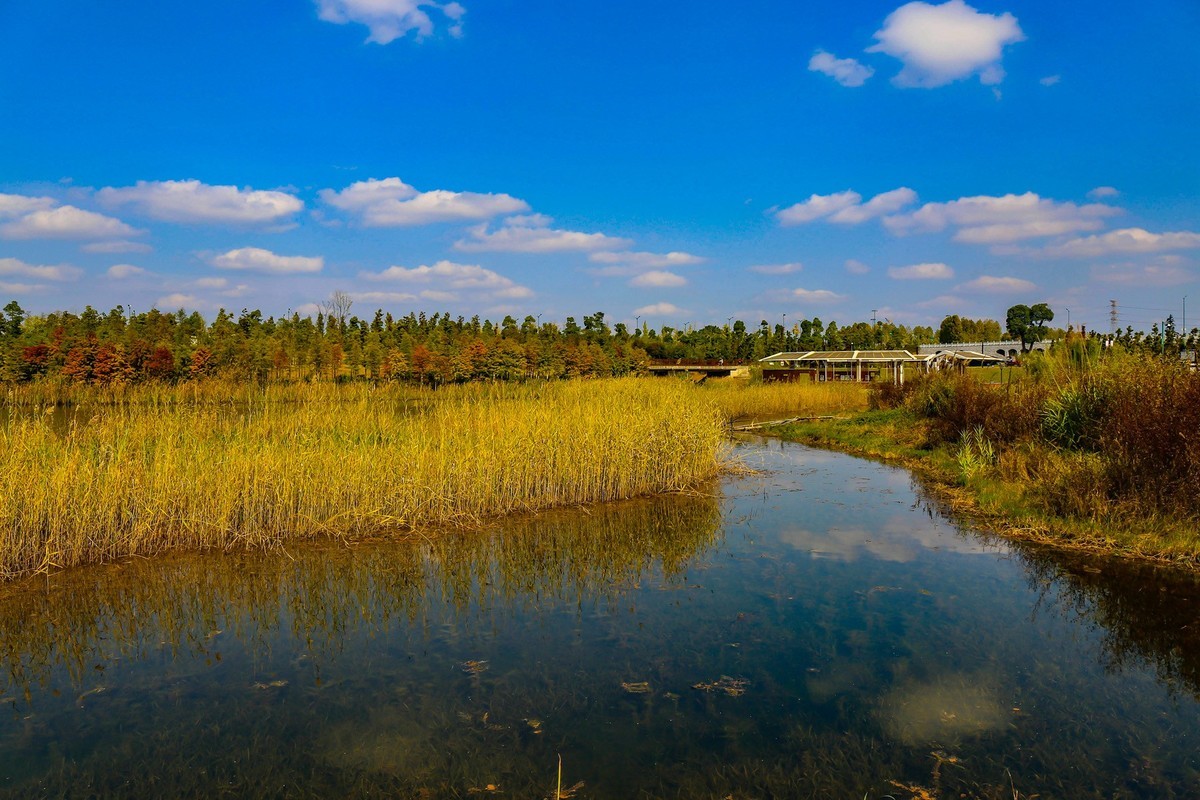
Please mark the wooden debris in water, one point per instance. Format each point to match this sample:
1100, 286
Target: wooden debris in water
734, 687
473, 667
271, 685
640, 687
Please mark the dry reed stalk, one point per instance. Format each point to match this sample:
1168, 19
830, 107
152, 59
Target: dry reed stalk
184, 471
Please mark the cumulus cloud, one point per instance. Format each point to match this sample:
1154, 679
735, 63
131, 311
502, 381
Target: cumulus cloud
193, 201
942, 302
930, 271
846, 208
636, 260
391, 203
999, 220
998, 285
14, 267
946, 43
178, 300
65, 222
846, 71
659, 309
817, 295
534, 235
856, 267
18, 205
123, 271
1125, 240
777, 269
1101, 192
388, 20
20, 288
447, 275
256, 259
658, 279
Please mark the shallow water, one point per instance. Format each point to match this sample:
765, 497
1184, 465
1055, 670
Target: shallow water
815, 630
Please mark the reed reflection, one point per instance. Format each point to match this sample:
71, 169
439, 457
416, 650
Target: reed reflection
192, 605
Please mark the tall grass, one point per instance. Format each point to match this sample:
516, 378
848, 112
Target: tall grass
1111, 439
165, 471
741, 401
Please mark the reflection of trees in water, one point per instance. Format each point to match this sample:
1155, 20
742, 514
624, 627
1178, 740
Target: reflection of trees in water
326, 593
1149, 613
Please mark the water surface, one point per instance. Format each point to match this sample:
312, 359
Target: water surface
818, 629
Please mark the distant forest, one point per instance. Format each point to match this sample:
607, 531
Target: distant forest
103, 348
96, 347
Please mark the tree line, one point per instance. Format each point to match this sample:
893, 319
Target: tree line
119, 346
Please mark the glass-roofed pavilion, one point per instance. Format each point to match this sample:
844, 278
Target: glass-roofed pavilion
862, 365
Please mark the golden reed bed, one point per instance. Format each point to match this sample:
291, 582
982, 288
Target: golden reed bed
152, 468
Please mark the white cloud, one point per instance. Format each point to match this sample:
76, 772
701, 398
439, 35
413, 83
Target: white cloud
388, 20
20, 288
178, 300
210, 283
1050, 80
1101, 192
193, 201
944, 303
638, 260
391, 202
122, 271
658, 309
18, 205
118, 246
1001, 285
17, 268
1125, 240
998, 220
256, 259
777, 269
846, 71
65, 222
856, 267
533, 235
659, 279
1159, 275
846, 207
817, 295
930, 271
946, 43
451, 276
383, 297
817, 206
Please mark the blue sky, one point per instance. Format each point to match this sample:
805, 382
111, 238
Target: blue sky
673, 162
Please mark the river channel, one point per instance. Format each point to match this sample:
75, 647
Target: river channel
816, 629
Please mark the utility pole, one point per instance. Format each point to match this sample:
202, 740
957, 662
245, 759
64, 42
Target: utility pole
1112, 316
1068, 319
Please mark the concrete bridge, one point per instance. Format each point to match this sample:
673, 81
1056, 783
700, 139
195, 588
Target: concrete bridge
698, 369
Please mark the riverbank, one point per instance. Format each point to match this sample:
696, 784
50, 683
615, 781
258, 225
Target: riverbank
965, 477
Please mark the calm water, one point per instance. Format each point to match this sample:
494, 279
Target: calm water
815, 630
